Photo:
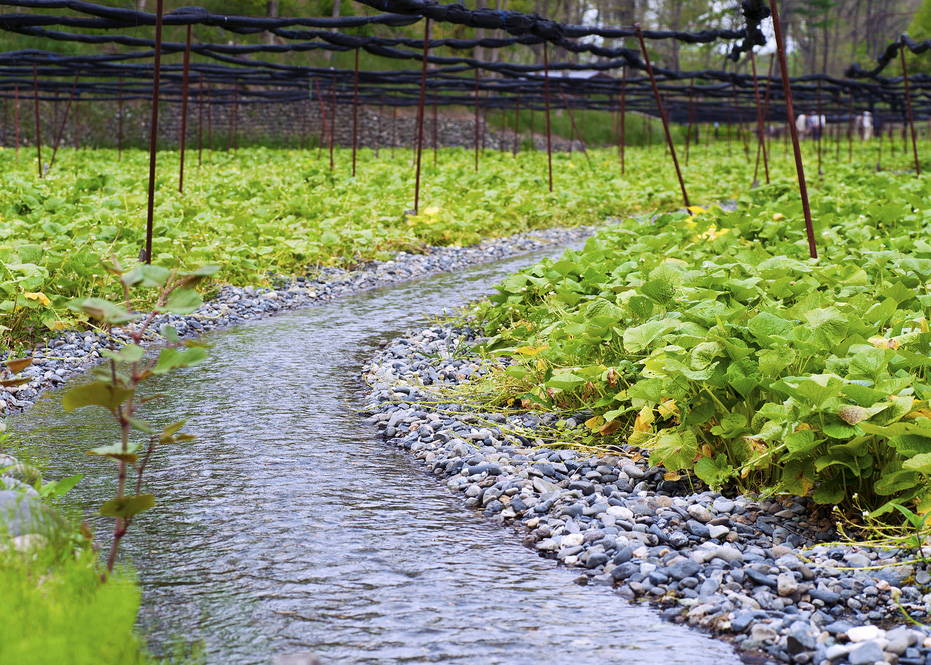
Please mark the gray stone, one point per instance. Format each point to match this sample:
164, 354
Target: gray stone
857, 560
742, 621
698, 529
623, 555
700, 513
786, 585
825, 596
762, 633
22, 514
723, 505
866, 653
684, 568
625, 570
901, 639
800, 640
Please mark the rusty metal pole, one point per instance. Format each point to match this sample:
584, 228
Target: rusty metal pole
16, 115
77, 129
760, 123
210, 126
879, 151
436, 133
185, 89
691, 115
820, 128
477, 118
153, 129
575, 131
38, 133
61, 127
549, 128
420, 105
355, 112
515, 146
793, 130
663, 117
200, 122
332, 128
850, 127
908, 110
322, 105
119, 120
236, 117
622, 138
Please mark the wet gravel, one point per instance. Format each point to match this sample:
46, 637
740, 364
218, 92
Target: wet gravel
73, 352
765, 574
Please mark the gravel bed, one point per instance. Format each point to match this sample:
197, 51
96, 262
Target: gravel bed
763, 574
73, 352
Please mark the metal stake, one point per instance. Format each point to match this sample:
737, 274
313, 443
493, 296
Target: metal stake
908, 110
760, 123
355, 112
549, 128
38, 134
663, 117
793, 130
153, 129
185, 88
420, 103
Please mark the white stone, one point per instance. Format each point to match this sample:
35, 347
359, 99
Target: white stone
718, 530
572, 540
621, 512
864, 633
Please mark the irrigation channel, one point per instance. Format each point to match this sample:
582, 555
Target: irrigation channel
286, 526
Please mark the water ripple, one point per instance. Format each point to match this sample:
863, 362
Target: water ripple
287, 526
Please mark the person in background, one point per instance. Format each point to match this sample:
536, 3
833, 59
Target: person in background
866, 125
801, 124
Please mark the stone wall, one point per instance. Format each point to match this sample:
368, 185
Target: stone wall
292, 124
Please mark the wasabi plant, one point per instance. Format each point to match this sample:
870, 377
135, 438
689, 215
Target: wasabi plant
117, 383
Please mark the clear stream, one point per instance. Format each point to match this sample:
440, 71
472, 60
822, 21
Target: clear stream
286, 526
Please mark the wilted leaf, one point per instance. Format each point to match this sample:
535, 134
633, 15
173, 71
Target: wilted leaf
17, 366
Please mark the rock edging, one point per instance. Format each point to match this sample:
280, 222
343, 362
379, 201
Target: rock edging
74, 352
759, 573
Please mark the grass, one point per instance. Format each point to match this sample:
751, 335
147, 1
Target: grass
55, 611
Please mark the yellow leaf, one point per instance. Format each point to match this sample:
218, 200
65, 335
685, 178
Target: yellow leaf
594, 422
671, 476
531, 350
41, 297
697, 210
883, 343
644, 420
668, 408
918, 413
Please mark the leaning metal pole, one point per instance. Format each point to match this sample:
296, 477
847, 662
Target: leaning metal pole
908, 110
793, 130
663, 117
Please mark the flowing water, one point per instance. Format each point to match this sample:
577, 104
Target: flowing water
286, 526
